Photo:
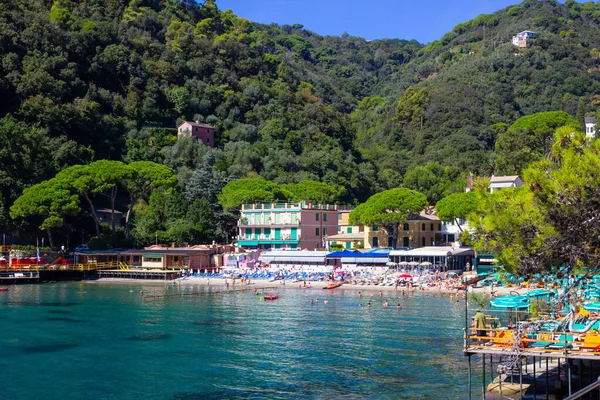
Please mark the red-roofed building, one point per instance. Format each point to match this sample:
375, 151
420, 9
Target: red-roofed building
203, 132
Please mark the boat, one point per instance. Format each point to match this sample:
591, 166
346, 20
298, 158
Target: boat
3, 289
271, 296
333, 285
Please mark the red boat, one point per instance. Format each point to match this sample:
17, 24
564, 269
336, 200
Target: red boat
333, 285
271, 296
3, 289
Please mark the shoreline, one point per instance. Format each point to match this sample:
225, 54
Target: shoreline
261, 283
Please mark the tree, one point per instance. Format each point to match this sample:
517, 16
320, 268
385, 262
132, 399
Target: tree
554, 219
51, 200
145, 177
314, 192
529, 139
455, 206
389, 209
253, 190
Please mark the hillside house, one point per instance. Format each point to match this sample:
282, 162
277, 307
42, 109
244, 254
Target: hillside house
203, 132
590, 127
523, 39
500, 182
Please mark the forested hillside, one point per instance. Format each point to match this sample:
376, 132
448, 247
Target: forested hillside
82, 81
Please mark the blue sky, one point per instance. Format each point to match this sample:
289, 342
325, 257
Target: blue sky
424, 20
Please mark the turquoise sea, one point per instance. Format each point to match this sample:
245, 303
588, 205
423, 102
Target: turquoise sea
100, 341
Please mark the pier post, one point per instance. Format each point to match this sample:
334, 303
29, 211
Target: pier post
534, 380
521, 379
483, 380
569, 374
469, 374
547, 378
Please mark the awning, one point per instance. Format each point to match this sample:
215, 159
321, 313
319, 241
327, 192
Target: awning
153, 255
247, 243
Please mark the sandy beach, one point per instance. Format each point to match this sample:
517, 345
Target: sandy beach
284, 285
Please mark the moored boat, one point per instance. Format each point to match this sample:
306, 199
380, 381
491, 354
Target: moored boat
333, 285
271, 296
3, 289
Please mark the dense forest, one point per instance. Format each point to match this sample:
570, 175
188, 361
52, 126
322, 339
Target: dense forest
83, 81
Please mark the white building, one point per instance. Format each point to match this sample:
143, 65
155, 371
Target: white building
521, 39
500, 182
590, 127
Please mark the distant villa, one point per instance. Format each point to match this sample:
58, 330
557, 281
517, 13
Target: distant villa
203, 132
522, 39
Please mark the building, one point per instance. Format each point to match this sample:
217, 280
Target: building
348, 236
451, 230
500, 182
105, 216
523, 39
287, 225
203, 132
424, 229
590, 127
290, 260
442, 258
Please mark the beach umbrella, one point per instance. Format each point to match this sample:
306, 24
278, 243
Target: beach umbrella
413, 263
391, 264
403, 263
426, 264
406, 276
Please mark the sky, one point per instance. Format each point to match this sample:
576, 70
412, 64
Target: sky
424, 20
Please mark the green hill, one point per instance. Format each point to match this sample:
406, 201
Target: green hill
111, 79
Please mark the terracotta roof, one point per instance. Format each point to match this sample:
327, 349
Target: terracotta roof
193, 123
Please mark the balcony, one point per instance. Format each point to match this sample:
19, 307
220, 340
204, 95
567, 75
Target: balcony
267, 238
268, 223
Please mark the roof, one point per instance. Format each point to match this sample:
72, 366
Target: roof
107, 210
194, 123
345, 253
348, 236
590, 120
365, 260
508, 178
439, 251
294, 256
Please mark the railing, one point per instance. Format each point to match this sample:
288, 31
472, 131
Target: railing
579, 394
269, 238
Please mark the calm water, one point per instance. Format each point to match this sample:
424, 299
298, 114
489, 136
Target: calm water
99, 341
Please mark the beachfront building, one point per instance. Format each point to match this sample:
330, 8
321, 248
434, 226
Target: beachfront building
501, 182
289, 226
203, 132
105, 216
348, 236
350, 260
304, 260
451, 231
424, 229
590, 127
441, 258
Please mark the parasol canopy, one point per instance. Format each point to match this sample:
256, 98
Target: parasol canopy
426, 264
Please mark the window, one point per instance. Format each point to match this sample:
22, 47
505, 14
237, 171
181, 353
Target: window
339, 216
406, 228
375, 228
349, 229
196, 128
207, 140
339, 228
375, 242
180, 129
316, 216
432, 242
324, 231
317, 231
207, 130
324, 217
431, 227
422, 227
423, 242
439, 227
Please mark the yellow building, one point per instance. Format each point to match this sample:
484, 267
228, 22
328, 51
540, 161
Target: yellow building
420, 230
348, 236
